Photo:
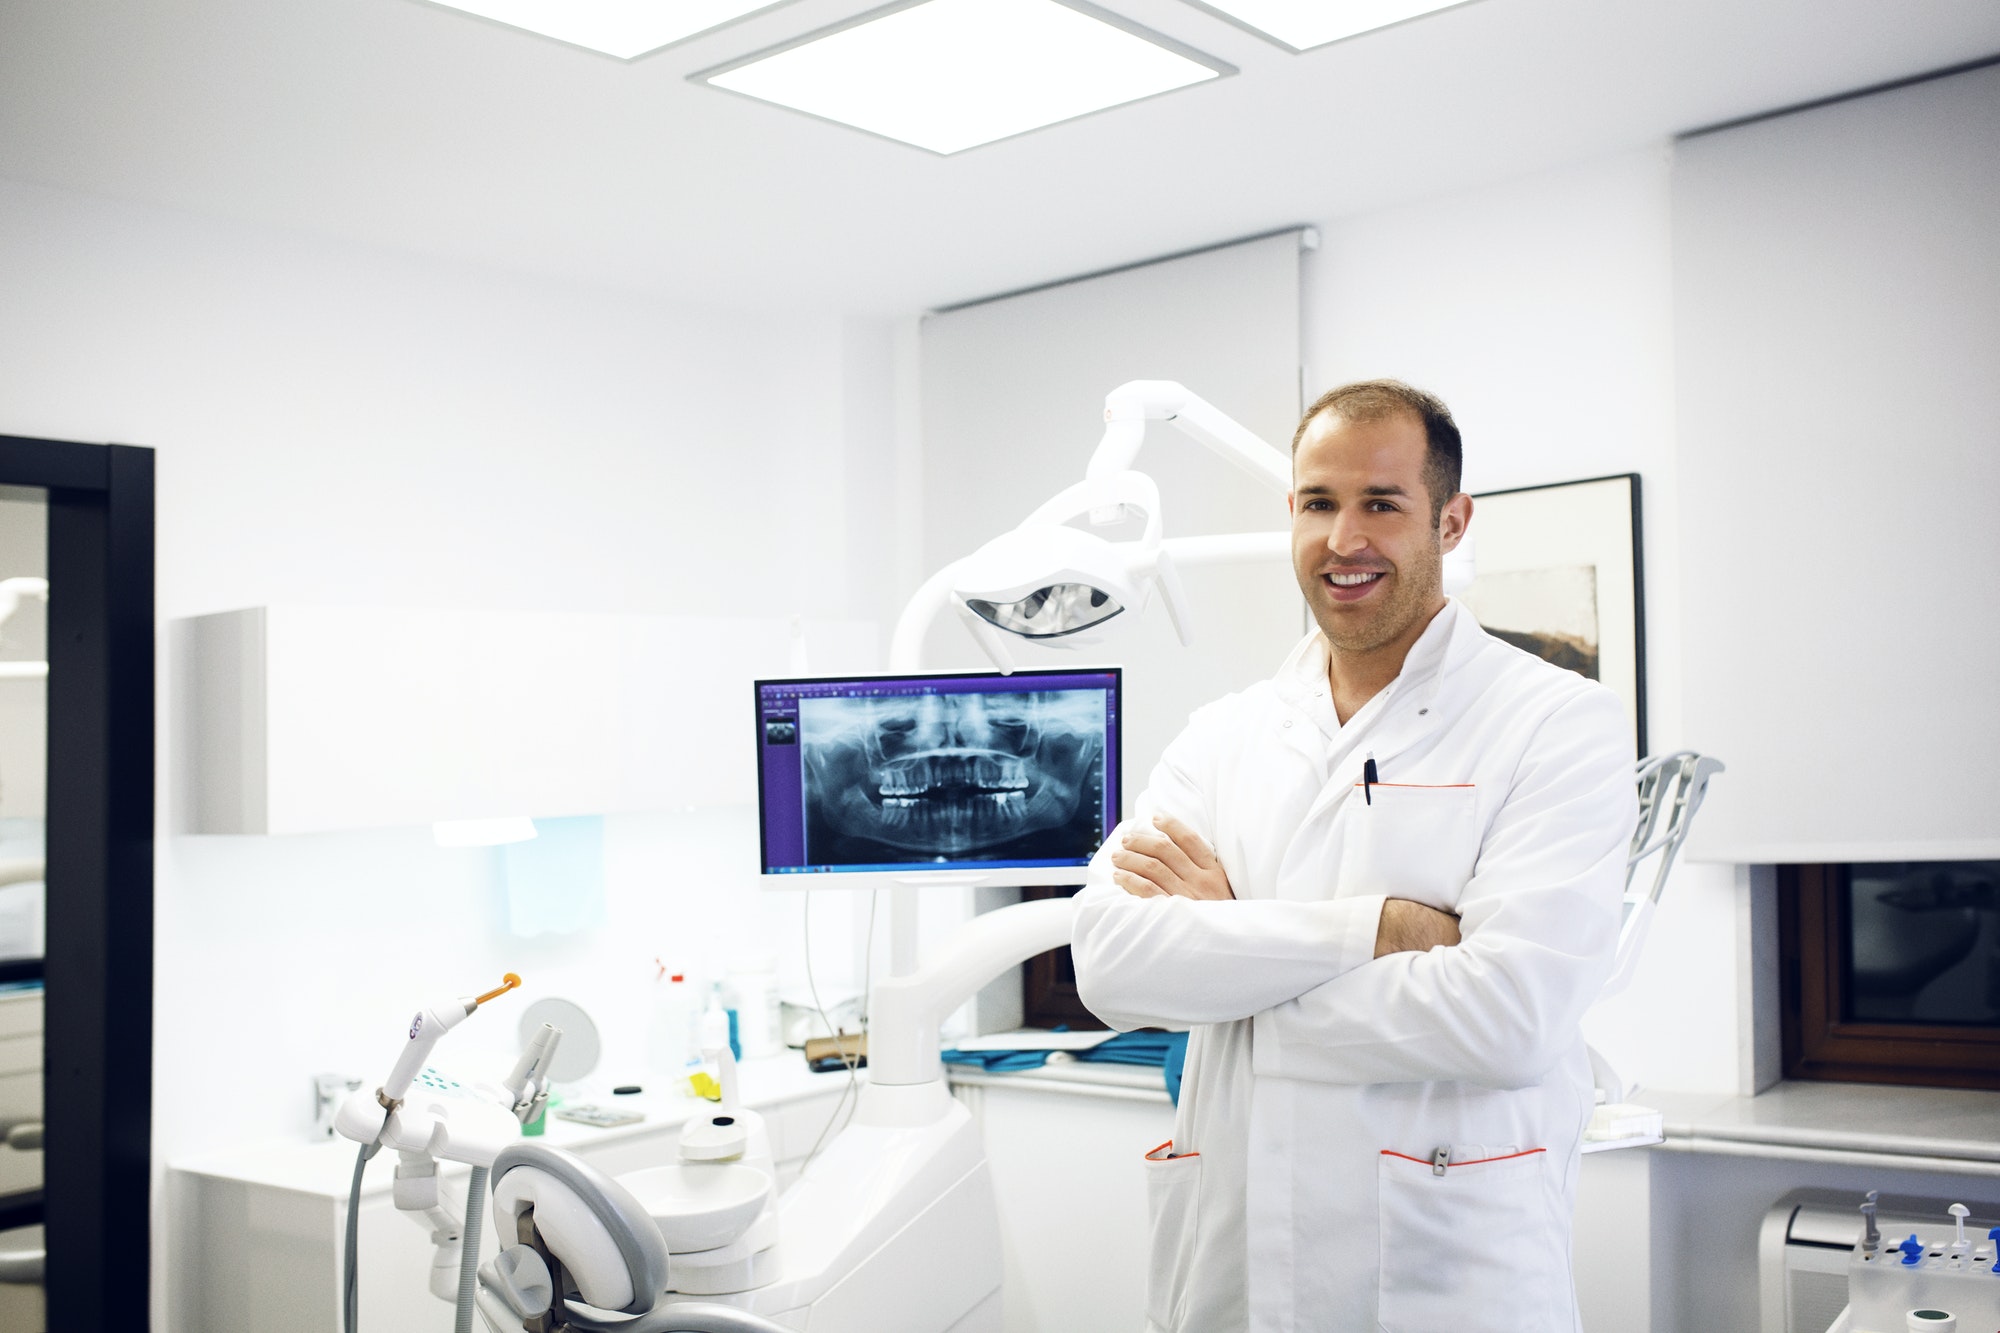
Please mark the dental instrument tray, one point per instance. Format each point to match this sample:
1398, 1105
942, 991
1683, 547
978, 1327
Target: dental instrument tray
598, 1117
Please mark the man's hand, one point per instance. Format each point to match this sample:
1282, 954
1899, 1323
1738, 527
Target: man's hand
1169, 859
1409, 927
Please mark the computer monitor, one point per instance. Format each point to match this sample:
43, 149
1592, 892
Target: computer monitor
978, 778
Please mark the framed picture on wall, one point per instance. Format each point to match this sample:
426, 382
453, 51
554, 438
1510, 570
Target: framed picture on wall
1559, 575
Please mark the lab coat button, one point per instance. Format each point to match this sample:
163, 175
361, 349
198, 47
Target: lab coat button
1288, 722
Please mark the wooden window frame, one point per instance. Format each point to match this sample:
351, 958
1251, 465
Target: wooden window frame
1819, 1044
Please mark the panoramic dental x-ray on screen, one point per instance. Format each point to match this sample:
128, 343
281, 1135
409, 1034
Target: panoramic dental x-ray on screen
886, 773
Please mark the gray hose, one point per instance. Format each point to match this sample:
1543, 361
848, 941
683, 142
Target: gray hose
468, 1251
349, 1283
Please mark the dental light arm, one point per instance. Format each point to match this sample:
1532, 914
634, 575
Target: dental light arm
1130, 406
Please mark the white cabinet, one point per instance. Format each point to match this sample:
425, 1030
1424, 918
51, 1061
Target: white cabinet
313, 718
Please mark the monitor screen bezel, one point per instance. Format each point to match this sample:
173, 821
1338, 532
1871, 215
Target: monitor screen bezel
941, 876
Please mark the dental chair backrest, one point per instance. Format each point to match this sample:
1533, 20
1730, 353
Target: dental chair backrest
606, 1243
592, 1224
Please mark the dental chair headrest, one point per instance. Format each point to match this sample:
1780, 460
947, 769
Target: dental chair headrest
603, 1237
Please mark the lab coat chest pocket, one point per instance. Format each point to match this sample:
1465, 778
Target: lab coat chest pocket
1414, 842
1468, 1250
1173, 1186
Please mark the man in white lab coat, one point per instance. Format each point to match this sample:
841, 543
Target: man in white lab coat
1380, 1121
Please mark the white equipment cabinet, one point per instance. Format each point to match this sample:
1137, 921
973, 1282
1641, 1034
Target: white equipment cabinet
314, 718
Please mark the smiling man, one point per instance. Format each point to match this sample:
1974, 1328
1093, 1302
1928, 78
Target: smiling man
1381, 888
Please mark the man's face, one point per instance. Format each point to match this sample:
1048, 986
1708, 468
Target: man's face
1369, 559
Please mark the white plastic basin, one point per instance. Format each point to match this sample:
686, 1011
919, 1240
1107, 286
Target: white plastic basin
700, 1205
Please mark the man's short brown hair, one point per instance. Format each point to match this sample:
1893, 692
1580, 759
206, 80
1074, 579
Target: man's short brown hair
1372, 400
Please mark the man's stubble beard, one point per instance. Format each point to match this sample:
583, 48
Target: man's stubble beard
1413, 593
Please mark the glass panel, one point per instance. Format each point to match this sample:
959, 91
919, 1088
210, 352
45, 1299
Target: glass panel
1923, 942
24, 543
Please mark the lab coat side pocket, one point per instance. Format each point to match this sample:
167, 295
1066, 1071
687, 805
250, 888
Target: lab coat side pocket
1173, 1215
1468, 1250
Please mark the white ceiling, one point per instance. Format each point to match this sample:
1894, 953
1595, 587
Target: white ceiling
406, 124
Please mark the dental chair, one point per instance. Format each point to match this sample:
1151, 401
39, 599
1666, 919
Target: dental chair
586, 1256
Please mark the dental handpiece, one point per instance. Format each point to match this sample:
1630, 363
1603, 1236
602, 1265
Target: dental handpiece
529, 1083
425, 1029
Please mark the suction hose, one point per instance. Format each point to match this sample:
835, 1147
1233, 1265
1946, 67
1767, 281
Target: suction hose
468, 1252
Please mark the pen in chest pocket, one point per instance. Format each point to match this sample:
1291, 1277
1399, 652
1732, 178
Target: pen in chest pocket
1369, 777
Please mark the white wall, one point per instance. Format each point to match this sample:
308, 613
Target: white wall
24, 702
336, 424
1541, 311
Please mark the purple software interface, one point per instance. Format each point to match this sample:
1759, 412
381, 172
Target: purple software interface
971, 772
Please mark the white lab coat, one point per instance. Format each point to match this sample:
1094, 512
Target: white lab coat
1320, 1080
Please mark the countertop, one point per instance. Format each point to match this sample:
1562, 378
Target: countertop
327, 1167
1951, 1123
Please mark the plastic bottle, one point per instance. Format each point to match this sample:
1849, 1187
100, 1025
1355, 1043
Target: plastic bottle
752, 989
669, 1048
718, 1024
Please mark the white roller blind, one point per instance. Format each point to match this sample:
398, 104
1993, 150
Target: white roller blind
1013, 404
1838, 355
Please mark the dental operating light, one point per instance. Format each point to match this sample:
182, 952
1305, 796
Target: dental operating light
1053, 582
1304, 24
1051, 612
948, 75
623, 28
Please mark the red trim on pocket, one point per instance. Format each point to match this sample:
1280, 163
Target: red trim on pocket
1170, 1157
1423, 786
1425, 1161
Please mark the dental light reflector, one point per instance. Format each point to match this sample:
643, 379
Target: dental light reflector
1302, 24
952, 74
482, 832
1049, 613
622, 28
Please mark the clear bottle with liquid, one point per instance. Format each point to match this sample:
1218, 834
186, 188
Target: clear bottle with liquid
669, 1030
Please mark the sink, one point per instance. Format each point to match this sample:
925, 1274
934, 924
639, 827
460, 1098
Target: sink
700, 1205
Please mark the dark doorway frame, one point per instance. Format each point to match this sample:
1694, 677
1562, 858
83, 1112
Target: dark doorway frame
97, 1054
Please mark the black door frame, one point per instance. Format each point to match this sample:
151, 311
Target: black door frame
97, 1053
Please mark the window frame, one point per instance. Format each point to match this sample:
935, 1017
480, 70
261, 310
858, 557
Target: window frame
1819, 1044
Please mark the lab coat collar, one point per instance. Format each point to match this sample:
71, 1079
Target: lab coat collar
1452, 636
1414, 709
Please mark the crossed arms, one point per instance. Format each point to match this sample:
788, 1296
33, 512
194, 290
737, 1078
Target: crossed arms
1349, 989
1171, 859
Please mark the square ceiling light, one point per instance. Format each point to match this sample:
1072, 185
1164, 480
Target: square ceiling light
948, 75
622, 28
1303, 24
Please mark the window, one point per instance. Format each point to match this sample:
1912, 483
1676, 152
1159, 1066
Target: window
1892, 972
1048, 983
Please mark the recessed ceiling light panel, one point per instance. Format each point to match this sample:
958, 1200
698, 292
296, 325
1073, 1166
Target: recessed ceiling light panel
1302, 24
622, 28
952, 74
